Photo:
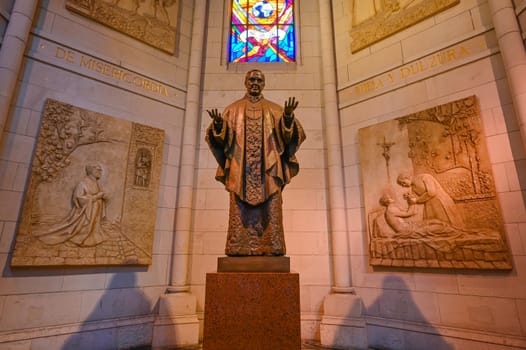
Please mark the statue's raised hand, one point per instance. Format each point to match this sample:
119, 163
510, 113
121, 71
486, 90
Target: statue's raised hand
290, 106
215, 115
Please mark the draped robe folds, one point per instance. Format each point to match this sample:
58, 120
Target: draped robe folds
83, 226
437, 203
255, 225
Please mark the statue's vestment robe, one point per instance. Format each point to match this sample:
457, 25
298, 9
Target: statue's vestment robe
255, 152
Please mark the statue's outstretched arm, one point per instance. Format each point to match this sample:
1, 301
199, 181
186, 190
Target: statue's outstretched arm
288, 110
216, 117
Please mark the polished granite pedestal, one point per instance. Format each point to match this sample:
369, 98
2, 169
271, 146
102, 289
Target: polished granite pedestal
252, 310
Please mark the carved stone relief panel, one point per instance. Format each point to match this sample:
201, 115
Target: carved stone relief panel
150, 21
429, 193
92, 193
374, 20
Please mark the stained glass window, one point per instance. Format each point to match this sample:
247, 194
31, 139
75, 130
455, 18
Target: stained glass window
262, 31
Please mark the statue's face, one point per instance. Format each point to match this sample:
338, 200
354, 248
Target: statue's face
94, 171
255, 82
404, 182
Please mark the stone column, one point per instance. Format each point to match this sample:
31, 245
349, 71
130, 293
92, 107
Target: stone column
185, 190
177, 323
12, 53
513, 55
342, 324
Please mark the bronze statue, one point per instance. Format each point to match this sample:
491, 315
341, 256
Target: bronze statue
254, 142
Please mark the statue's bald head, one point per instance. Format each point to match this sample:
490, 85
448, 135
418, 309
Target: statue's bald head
94, 169
254, 71
255, 82
404, 179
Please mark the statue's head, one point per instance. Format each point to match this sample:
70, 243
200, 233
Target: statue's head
387, 197
255, 82
385, 200
404, 180
94, 170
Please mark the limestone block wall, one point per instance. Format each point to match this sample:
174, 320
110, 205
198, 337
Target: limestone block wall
452, 55
77, 61
304, 200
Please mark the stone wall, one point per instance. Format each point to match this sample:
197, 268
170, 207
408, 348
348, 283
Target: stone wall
74, 60
451, 55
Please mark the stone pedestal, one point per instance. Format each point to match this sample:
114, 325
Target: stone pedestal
252, 310
342, 324
253, 264
177, 323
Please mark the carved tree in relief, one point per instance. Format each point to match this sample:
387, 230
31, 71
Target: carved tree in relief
62, 131
455, 147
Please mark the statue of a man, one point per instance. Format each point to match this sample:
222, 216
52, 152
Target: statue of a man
84, 225
254, 142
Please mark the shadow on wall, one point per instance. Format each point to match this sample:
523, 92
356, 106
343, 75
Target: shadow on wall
102, 328
120, 316
396, 303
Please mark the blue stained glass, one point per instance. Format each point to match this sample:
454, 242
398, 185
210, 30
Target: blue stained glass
237, 46
286, 45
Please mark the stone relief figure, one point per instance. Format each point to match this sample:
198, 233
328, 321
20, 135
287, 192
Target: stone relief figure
402, 224
396, 217
399, 220
68, 217
84, 224
366, 9
437, 203
152, 8
374, 20
151, 21
130, 5
441, 211
254, 142
143, 168
157, 9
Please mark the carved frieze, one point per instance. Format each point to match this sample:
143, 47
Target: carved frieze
92, 193
429, 192
150, 21
374, 20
